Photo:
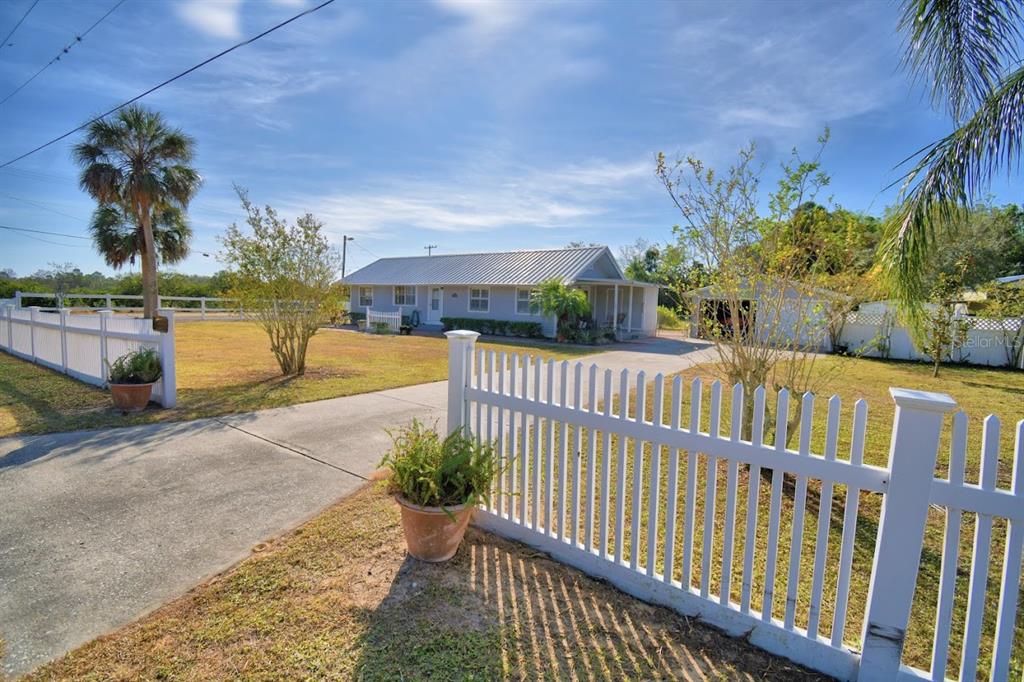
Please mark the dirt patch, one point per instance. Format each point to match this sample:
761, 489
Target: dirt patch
339, 598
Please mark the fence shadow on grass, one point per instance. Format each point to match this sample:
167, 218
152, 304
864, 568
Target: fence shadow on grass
502, 610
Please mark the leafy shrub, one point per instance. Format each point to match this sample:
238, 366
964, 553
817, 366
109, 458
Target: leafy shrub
137, 367
530, 330
381, 328
431, 472
668, 318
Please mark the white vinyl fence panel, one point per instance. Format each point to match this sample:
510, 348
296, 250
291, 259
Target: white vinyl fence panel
874, 334
582, 479
81, 346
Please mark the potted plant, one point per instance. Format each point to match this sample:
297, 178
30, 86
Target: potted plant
131, 379
437, 483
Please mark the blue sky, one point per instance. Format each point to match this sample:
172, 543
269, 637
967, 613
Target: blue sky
469, 125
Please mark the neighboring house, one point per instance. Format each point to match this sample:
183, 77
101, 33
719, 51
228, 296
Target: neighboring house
800, 316
499, 286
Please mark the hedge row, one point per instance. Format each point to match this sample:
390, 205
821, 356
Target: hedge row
530, 330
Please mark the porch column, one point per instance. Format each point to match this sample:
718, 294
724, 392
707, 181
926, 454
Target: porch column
629, 313
615, 310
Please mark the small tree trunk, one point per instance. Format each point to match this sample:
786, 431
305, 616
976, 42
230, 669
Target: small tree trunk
149, 279
935, 369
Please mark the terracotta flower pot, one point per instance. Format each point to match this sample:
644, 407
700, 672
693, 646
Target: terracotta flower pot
131, 397
431, 534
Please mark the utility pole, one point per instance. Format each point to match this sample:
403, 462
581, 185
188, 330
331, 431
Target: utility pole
345, 239
430, 249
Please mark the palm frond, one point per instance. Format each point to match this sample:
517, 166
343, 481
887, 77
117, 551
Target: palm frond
118, 236
960, 47
171, 234
951, 174
114, 236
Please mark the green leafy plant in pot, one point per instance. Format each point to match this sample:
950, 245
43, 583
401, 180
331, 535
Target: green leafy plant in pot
131, 378
437, 482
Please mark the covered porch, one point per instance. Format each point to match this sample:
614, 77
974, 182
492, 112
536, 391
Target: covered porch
627, 306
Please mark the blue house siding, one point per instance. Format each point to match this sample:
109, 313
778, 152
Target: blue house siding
455, 303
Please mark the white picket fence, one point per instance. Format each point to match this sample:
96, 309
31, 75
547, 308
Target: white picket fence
203, 305
81, 346
393, 319
561, 430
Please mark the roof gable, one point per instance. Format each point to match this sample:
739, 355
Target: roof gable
497, 268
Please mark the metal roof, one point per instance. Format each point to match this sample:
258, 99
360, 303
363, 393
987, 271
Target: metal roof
498, 268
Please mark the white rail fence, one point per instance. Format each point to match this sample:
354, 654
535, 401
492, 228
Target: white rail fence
657, 500
130, 302
393, 320
81, 346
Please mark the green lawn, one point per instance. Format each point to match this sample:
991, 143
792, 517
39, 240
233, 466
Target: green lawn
226, 367
978, 392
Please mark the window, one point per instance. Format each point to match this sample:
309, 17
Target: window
479, 300
366, 296
525, 304
405, 295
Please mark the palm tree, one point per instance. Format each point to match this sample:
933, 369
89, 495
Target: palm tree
966, 51
137, 165
118, 235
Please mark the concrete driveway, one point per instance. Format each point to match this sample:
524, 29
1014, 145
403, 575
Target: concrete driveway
100, 527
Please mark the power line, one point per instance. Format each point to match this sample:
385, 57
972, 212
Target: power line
43, 206
67, 48
27, 12
50, 241
56, 234
366, 249
168, 81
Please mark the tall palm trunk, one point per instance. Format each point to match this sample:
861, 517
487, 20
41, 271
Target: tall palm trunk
149, 281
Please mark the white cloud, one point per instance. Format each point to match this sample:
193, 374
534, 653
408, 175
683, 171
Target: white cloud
216, 18
506, 54
489, 16
467, 200
764, 67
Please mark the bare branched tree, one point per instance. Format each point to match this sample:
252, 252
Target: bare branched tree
765, 308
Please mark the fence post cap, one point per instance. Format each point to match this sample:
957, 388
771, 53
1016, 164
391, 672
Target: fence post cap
64, 311
105, 312
462, 334
36, 308
922, 400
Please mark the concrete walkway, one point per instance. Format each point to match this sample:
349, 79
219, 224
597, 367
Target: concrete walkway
100, 527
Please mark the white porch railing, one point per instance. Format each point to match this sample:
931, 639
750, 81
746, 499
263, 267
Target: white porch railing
393, 320
82, 345
572, 486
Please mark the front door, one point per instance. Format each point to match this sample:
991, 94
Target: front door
434, 308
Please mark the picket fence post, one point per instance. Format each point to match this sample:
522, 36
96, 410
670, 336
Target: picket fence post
17, 300
460, 351
33, 312
64, 312
912, 452
104, 369
10, 326
167, 361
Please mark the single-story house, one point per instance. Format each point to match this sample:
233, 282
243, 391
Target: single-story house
499, 286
